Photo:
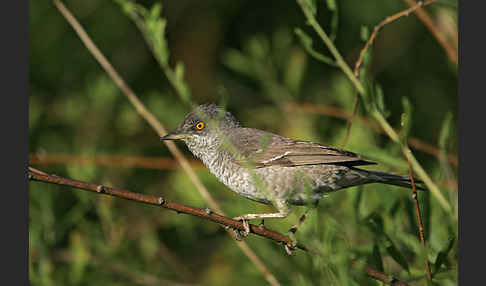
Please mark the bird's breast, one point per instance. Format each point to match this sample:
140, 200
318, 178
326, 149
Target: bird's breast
238, 178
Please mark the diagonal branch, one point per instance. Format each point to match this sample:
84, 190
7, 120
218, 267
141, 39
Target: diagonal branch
375, 113
380, 26
372, 37
440, 37
37, 175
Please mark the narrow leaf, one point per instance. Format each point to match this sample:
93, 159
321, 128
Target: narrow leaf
396, 255
306, 41
406, 122
445, 132
442, 255
376, 260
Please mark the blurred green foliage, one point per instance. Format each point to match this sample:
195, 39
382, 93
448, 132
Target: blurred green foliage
255, 57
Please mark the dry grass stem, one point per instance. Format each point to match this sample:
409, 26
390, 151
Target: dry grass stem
440, 37
158, 127
372, 37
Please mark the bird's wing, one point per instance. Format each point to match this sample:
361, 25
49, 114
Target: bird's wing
253, 147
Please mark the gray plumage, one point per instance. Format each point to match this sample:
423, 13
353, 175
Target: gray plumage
269, 168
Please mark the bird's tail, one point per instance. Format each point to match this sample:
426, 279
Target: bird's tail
396, 180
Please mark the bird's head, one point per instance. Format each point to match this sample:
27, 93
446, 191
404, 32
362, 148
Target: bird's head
202, 126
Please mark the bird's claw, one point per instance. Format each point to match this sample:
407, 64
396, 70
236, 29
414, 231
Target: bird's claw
289, 248
246, 225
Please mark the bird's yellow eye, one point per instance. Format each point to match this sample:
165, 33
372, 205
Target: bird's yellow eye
200, 125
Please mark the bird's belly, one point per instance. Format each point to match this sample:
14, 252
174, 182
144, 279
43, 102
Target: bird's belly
238, 179
297, 185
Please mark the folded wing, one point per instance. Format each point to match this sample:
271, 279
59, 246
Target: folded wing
259, 149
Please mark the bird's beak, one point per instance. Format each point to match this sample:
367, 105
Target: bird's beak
174, 135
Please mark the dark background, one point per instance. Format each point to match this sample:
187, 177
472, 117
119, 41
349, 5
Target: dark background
75, 109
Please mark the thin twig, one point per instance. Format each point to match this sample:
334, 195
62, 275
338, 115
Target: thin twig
335, 53
416, 202
380, 276
429, 23
37, 175
350, 121
159, 201
387, 20
357, 65
374, 112
419, 219
159, 128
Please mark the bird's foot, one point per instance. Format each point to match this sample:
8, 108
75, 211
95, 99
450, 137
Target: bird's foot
237, 234
292, 238
289, 248
243, 233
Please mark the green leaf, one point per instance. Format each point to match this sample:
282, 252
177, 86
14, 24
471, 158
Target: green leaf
396, 255
80, 258
375, 259
258, 47
306, 41
238, 62
406, 121
153, 27
368, 94
332, 6
380, 101
179, 71
365, 33
312, 6
154, 14
358, 200
442, 255
445, 132
375, 223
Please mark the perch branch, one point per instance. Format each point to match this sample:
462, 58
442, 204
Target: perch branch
37, 175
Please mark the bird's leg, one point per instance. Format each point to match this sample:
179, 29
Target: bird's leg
283, 211
245, 219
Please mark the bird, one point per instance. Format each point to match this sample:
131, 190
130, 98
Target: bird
269, 168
